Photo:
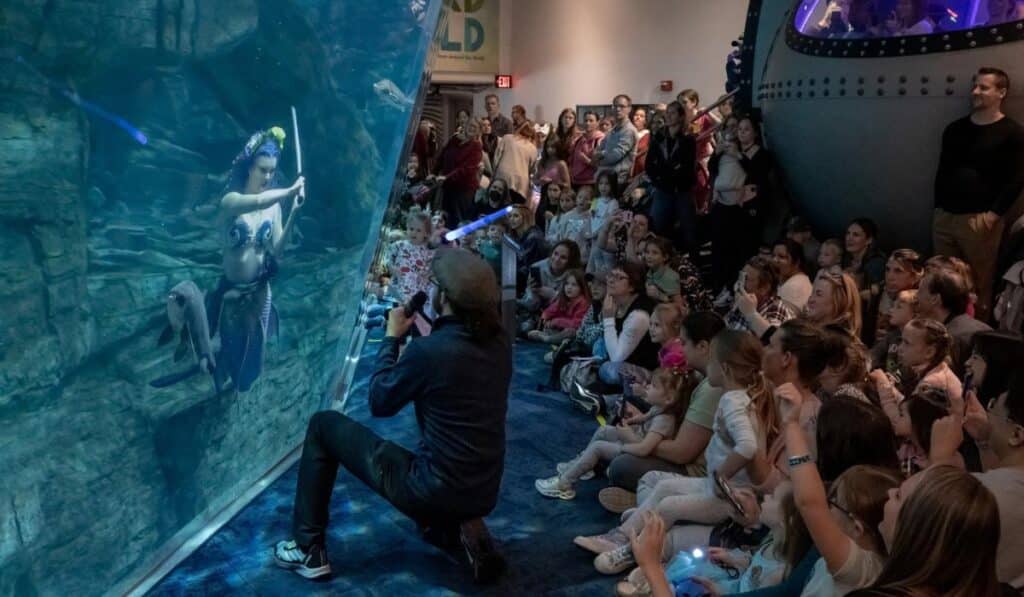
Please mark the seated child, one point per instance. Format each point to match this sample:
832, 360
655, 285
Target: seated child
662, 280
884, 353
489, 247
560, 320
669, 395
830, 257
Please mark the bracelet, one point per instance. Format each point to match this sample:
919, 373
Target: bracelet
795, 461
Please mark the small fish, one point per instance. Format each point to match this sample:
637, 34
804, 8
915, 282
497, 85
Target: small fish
387, 91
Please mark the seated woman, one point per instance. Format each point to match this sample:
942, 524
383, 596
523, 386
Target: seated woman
545, 282
794, 285
626, 236
863, 260
835, 301
683, 454
626, 315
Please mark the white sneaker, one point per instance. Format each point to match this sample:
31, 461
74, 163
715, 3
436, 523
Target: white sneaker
723, 300
561, 467
553, 487
616, 561
312, 564
609, 541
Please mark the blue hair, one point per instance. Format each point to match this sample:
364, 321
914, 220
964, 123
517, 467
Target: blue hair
260, 144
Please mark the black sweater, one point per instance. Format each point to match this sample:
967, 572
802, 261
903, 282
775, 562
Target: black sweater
981, 167
459, 386
672, 162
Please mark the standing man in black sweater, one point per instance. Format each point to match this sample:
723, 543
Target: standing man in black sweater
458, 379
980, 176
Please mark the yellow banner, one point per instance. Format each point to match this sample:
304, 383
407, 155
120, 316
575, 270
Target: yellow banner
469, 43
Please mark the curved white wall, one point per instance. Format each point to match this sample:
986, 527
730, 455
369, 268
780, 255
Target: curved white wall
567, 52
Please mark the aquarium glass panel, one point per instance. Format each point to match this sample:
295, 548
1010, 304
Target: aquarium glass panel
174, 305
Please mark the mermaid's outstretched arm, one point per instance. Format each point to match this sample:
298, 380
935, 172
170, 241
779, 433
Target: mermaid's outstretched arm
234, 203
281, 235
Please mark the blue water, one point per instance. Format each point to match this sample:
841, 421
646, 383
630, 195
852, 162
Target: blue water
98, 469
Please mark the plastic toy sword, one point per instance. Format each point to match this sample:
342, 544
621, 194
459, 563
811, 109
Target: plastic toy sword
298, 156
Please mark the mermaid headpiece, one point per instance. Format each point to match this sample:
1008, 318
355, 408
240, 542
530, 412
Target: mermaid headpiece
274, 134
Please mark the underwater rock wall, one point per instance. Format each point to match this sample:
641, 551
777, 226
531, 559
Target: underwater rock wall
97, 468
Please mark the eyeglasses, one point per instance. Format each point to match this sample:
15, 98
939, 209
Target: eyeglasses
615, 276
834, 504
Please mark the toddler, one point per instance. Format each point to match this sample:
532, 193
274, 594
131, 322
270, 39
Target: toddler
830, 257
560, 320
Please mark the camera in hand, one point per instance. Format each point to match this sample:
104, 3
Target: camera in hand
415, 304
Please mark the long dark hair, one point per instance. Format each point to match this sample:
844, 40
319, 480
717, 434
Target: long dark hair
613, 183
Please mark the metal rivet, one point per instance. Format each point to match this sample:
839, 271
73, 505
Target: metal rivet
830, 52
948, 47
860, 92
924, 79
881, 52
826, 80
881, 92
811, 82
799, 93
902, 51
903, 42
825, 93
949, 91
881, 79
970, 34
903, 78
903, 91
973, 43
945, 37
860, 80
924, 50
999, 39
842, 92
800, 83
810, 94
993, 31
924, 91
862, 52
845, 53
842, 80
950, 78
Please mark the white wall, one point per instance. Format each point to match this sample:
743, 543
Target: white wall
566, 52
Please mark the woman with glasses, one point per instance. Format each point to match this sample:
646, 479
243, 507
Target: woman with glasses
626, 315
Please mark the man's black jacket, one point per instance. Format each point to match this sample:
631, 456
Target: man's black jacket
459, 386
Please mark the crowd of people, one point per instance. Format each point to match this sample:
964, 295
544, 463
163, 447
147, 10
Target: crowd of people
865, 19
806, 417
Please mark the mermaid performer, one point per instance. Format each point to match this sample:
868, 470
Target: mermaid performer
240, 310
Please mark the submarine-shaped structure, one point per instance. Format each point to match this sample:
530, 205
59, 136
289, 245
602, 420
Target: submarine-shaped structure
855, 118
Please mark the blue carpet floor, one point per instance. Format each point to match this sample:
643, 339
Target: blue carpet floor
374, 550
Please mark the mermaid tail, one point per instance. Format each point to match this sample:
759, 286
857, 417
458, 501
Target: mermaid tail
245, 323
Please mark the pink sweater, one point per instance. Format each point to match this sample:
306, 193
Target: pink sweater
569, 318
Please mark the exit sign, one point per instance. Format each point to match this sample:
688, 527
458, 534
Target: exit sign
503, 81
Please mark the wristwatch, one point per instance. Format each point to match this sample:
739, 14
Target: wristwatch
795, 461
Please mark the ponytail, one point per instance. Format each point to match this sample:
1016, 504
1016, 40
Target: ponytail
763, 400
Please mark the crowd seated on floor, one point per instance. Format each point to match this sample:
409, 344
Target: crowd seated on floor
779, 414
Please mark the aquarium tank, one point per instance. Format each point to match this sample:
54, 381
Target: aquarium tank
175, 306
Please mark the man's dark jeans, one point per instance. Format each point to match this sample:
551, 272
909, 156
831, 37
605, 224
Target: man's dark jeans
332, 439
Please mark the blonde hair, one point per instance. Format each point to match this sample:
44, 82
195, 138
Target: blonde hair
846, 308
741, 352
946, 537
679, 383
670, 316
418, 215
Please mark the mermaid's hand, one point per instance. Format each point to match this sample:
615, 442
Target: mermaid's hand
298, 190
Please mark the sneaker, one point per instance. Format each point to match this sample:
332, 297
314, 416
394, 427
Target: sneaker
585, 400
312, 564
602, 543
616, 499
561, 467
634, 585
553, 487
483, 557
615, 561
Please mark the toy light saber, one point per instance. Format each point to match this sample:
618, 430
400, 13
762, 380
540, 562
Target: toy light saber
298, 156
472, 227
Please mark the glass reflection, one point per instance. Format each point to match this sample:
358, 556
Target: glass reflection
869, 19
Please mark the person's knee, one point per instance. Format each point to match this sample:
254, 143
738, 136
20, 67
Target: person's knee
324, 419
609, 372
622, 472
